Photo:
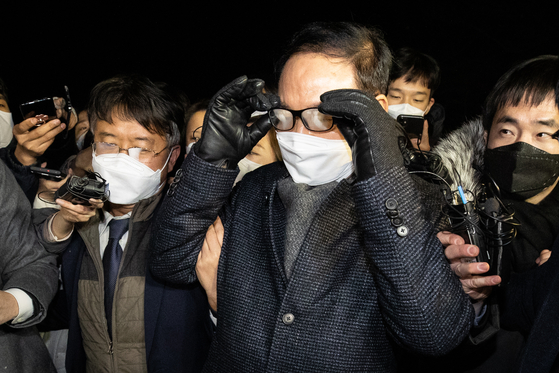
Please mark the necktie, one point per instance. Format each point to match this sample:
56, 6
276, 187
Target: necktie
111, 262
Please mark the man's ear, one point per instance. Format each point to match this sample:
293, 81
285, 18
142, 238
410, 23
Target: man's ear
431, 103
485, 135
175, 152
383, 101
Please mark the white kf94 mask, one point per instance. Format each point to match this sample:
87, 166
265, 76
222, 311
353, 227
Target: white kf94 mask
395, 110
128, 179
313, 160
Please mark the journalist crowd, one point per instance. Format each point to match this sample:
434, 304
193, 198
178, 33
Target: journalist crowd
330, 221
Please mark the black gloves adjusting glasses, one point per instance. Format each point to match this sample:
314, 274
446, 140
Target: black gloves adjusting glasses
226, 139
370, 132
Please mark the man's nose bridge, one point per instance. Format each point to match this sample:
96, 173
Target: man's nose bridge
524, 136
408, 100
299, 126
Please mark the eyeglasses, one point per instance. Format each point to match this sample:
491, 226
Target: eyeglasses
140, 154
197, 133
313, 120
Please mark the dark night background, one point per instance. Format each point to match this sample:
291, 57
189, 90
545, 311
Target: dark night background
199, 47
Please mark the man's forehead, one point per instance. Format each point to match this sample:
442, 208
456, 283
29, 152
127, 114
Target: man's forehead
306, 76
127, 129
546, 113
412, 86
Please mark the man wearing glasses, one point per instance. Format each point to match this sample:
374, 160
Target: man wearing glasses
327, 256
120, 317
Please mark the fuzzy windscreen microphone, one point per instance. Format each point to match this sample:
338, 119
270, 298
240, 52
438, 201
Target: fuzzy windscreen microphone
462, 153
473, 211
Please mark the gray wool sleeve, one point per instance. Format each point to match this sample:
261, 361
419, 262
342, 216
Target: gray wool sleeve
421, 299
24, 263
190, 207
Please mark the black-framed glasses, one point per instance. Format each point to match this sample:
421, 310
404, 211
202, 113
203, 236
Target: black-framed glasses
140, 154
313, 120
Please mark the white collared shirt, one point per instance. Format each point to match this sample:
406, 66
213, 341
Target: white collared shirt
104, 231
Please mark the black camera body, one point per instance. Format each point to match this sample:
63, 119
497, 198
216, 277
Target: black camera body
79, 190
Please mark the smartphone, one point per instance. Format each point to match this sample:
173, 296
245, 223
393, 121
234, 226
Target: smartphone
413, 124
44, 106
47, 173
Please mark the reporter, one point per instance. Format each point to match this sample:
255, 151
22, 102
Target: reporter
28, 279
146, 324
515, 143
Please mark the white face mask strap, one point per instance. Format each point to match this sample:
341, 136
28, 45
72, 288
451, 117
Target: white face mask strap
167, 161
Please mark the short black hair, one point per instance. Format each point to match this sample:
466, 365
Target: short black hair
135, 97
416, 66
531, 82
364, 47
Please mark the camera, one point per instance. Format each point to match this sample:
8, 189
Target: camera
79, 190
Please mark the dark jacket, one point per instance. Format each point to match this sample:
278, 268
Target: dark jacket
177, 326
530, 304
26, 180
24, 264
356, 284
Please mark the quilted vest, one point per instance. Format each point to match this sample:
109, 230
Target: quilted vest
127, 351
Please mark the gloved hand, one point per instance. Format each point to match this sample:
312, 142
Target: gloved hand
226, 139
370, 132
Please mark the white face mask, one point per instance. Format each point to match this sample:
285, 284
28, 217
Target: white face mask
6, 126
128, 179
313, 160
395, 110
246, 166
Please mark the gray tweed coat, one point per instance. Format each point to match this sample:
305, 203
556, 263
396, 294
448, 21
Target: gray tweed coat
358, 284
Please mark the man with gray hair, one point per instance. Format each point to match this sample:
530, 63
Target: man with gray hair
120, 318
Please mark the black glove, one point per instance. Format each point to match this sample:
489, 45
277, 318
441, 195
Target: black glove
370, 132
226, 139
